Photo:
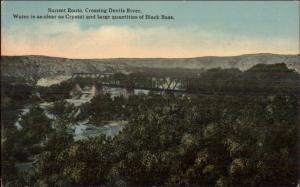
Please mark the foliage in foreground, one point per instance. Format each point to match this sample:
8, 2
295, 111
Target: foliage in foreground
223, 141
235, 140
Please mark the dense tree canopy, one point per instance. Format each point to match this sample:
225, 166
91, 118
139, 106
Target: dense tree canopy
243, 135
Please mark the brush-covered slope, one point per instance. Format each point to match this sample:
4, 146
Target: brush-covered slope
36, 67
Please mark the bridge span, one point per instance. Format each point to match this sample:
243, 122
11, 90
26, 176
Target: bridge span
143, 82
177, 85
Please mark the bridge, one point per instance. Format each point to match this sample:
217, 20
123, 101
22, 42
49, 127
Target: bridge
171, 84
123, 81
91, 75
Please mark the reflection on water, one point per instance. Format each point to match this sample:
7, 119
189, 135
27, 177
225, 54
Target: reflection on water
84, 130
24, 111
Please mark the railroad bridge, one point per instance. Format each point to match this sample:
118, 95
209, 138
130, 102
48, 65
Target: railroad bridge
168, 84
91, 75
143, 82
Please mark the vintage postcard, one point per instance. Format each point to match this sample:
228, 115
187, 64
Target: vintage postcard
150, 93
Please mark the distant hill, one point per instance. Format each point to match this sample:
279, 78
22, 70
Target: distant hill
36, 67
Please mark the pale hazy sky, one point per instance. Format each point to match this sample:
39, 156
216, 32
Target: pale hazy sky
200, 28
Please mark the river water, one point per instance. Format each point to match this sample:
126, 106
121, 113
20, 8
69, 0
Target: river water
83, 129
80, 130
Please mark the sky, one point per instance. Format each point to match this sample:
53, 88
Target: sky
199, 28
